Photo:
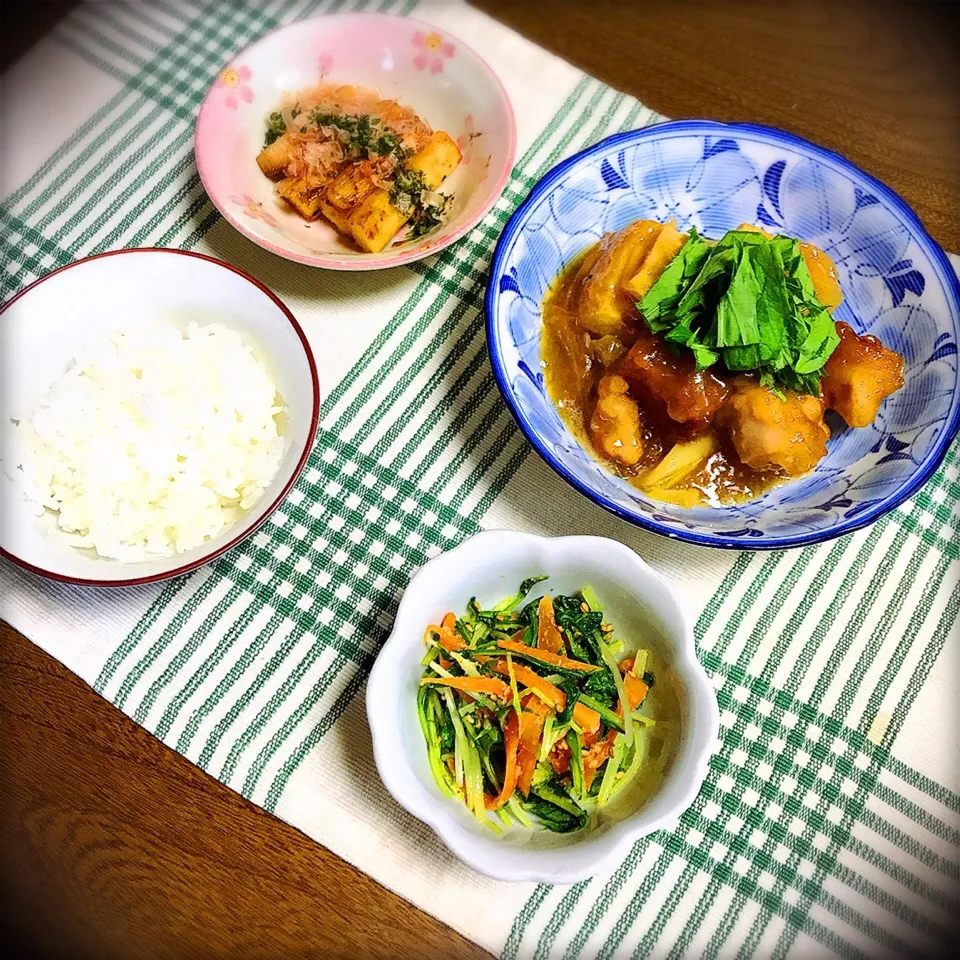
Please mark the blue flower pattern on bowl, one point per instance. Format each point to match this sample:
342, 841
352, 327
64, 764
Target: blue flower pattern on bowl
897, 283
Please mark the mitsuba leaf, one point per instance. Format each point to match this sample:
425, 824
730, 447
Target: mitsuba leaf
748, 301
819, 343
662, 298
601, 687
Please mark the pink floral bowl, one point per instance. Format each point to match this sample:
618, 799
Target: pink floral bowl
437, 75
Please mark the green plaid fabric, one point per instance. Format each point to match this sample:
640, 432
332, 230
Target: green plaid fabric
826, 825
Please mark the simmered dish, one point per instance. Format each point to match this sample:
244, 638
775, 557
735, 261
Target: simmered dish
702, 371
369, 166
538, 715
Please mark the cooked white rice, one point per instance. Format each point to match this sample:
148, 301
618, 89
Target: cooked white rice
153, 441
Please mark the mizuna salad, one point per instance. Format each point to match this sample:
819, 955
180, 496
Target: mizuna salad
534, 715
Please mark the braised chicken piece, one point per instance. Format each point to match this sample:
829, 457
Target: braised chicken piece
615, 424
688, 395
770, 434
860, 374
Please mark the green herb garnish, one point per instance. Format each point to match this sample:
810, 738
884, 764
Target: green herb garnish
408, 194
276, 128
426, 216
363, 137
747, 301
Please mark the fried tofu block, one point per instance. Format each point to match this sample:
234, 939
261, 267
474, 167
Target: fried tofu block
667, 246
375, 221
439, 157
305, 202
604, 299
273, 160
341, 198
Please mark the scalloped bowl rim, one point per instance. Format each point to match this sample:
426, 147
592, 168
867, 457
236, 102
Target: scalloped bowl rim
516, 223
415, 252
527, 863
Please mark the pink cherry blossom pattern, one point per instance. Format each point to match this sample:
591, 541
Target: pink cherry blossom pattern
466, 139
253, 209
324, 64
433, 51
234, 79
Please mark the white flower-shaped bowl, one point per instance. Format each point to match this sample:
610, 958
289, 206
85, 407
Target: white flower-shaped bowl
420, 65
46, 325
642, 608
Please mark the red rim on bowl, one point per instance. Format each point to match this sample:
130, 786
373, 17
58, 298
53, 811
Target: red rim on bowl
360, 262
297, 470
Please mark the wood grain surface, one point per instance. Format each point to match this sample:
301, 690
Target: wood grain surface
877, 81
113, 845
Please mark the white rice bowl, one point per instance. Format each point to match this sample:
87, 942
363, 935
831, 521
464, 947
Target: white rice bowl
157, 407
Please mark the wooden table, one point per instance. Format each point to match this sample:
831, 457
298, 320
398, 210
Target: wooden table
113, 845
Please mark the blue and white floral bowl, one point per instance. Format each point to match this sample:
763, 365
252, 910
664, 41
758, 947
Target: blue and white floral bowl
897, 282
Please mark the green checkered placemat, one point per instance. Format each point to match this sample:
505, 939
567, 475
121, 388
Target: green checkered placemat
830, 821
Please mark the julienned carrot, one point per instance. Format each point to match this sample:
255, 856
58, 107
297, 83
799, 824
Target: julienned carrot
636, 690
548, 634
534, 681
511, 747
586, 718
490, 686
544, 656
531, 731
446, 636
594, 757
449, 620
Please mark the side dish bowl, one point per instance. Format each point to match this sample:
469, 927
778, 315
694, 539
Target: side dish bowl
45, 326
897, 282
643, 610
423, 67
